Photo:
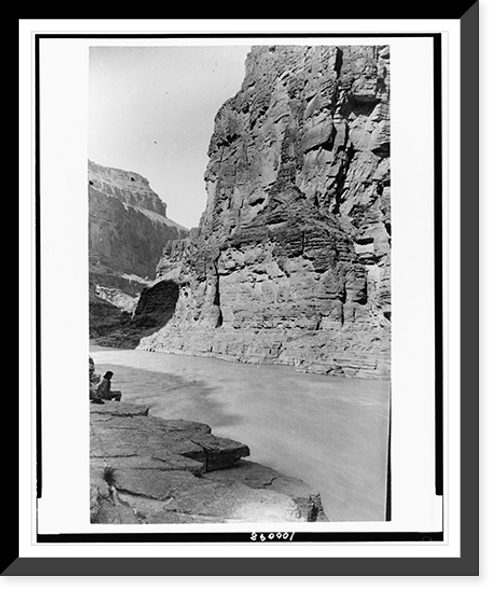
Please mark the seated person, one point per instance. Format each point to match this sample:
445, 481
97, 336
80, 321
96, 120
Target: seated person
104, 388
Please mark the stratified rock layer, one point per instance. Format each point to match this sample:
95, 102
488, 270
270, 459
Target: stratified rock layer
145, 469
291, 261
128, 229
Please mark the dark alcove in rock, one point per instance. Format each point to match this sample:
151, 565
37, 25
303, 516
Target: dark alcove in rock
154, 309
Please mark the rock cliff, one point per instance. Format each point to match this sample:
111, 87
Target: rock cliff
291, 260
128, 229
147, 470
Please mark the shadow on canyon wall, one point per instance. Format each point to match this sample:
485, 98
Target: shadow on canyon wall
110, 326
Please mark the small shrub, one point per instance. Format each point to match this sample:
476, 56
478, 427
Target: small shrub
109, 475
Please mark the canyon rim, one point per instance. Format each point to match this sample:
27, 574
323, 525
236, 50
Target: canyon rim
290, 265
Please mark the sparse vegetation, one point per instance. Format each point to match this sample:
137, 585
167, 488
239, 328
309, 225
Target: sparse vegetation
109, 475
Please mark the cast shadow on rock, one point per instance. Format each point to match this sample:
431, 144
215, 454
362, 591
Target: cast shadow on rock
110, 326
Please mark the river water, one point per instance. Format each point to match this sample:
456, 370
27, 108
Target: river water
329, 432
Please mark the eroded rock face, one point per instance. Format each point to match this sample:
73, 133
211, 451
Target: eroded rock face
145, 469
128, 229
156, 304
129, 188
291, 261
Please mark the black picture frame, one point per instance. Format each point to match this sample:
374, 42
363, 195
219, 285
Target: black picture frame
467, 564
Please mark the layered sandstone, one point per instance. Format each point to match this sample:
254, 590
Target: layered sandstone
291, 260
128, 229
148, 470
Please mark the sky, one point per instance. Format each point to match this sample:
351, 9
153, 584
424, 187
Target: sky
152, 110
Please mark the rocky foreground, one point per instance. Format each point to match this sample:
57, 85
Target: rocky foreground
145, 469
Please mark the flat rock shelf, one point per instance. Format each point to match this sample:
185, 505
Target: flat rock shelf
146, 470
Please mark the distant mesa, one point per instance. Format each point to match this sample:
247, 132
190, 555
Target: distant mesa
114, 182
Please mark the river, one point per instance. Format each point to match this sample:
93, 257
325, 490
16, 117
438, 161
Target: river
329, 432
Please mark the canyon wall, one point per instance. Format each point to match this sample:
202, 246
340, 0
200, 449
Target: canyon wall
128, 226
291, 261
128, 229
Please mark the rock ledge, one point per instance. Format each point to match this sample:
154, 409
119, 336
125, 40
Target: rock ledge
145, 469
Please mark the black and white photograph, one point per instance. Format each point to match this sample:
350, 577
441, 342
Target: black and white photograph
244, 328
239, 283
